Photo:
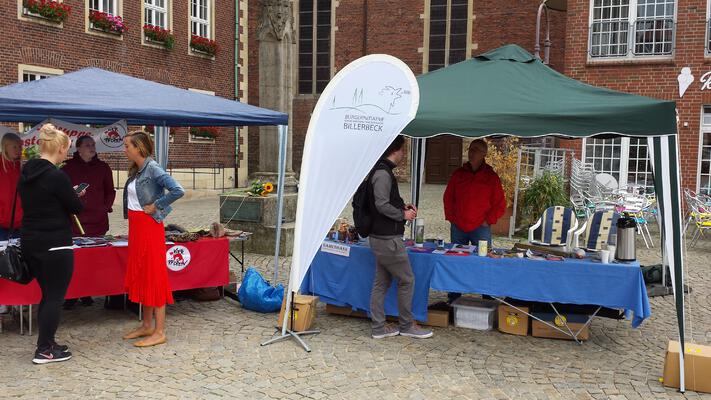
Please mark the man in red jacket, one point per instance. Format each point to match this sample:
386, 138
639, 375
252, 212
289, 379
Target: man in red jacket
85, 167
474, 199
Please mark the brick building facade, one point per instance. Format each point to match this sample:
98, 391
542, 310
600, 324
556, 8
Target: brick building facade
641, 47
34, 48
425, 34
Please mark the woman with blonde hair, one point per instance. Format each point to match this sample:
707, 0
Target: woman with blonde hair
147, 196
49, 200
10, 153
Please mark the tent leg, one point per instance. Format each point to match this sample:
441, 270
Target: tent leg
283, 130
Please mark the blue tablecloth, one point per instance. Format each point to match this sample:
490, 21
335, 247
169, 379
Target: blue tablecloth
348, 281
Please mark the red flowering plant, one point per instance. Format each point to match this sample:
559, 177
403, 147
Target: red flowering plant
208, 132
158, 34
204, 45
150, 129
52, 10
106, 22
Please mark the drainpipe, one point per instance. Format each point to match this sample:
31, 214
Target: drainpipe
236, 182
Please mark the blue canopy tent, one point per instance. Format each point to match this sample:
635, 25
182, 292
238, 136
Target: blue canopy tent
97, 96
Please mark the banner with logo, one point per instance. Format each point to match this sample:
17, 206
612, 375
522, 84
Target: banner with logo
108, 138
361, 111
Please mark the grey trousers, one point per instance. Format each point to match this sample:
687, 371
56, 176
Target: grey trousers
391, 261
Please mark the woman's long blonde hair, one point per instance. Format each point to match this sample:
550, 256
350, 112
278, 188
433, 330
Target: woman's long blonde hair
51, 139
143, 142
4, 156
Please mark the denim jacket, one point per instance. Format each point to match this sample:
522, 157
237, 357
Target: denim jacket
151, 183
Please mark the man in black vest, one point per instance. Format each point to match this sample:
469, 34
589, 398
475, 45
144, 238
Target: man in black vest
388, 225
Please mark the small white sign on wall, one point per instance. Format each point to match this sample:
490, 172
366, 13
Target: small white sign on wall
336, 248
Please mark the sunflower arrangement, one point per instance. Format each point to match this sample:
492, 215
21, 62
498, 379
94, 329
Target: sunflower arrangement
260, 189
30, 152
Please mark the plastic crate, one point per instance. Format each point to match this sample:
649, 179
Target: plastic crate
474, 313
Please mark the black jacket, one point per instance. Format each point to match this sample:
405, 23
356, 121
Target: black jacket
48, 200
388, 225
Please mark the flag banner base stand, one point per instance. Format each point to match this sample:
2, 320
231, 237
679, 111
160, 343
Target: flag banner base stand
292, 335
288, 333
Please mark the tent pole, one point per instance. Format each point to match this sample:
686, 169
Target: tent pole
283, 129
512, 221
417, 161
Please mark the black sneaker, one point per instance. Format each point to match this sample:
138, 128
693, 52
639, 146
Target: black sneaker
62, 347
53, 354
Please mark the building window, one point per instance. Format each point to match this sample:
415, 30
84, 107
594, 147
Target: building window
628, 28
105, 6
314, 45
194, 133
28, 73
626, 159
156, 13
200, 18
448, 32
604, 155
705, 153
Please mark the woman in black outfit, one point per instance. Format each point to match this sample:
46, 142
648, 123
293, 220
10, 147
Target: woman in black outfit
49, 200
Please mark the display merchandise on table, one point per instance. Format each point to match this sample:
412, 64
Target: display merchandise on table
346, 280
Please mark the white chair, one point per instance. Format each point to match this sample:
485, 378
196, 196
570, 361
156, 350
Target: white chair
557, 226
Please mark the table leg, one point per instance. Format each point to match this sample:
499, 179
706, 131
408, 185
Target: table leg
29, 320
225, 292
569, 333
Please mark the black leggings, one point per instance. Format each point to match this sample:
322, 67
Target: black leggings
53, 270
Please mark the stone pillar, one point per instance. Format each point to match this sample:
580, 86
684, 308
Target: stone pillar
277, 49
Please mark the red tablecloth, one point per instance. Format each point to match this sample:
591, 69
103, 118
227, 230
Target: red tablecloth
99, 271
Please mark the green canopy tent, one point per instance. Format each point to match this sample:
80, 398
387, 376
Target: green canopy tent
507, 91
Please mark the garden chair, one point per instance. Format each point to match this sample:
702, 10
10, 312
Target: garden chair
636, 206
597, 229
557, 225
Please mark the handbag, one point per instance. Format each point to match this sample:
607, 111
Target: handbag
12, 266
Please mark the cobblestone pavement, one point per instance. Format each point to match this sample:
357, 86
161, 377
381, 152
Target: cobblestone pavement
213, 350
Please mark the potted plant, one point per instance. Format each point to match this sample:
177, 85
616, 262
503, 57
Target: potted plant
545, 191
204, 45
106, 22
207, 132
159, 35
51, 10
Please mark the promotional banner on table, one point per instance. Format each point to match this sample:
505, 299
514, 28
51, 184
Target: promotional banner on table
361, 111
108, 138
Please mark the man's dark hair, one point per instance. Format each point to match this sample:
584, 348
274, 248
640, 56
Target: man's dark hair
395, 146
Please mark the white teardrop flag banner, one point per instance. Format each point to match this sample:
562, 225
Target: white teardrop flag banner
361, 111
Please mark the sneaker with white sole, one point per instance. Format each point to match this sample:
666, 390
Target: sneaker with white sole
386, 331
50, 355
417, 332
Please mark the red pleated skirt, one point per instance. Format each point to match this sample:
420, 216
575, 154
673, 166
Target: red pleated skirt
147, 274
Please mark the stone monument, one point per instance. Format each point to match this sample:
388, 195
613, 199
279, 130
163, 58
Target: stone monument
276, 37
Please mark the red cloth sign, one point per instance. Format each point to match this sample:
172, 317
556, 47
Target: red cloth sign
99, 271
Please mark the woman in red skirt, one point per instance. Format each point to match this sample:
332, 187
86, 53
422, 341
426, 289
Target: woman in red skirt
147, 196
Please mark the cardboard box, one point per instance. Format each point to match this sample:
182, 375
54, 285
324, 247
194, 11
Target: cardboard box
574, 321
513, 321
697, 367
439, 318
304, 312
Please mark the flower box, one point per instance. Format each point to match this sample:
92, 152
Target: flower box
205, 132
50, 10
158, 35
105, 22
203, 45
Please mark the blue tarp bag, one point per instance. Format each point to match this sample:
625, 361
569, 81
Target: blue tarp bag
257, 295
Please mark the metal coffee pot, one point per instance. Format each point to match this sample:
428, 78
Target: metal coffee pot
626, 236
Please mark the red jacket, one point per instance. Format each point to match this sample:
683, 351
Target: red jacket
9, 175
99, 196
472, 198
